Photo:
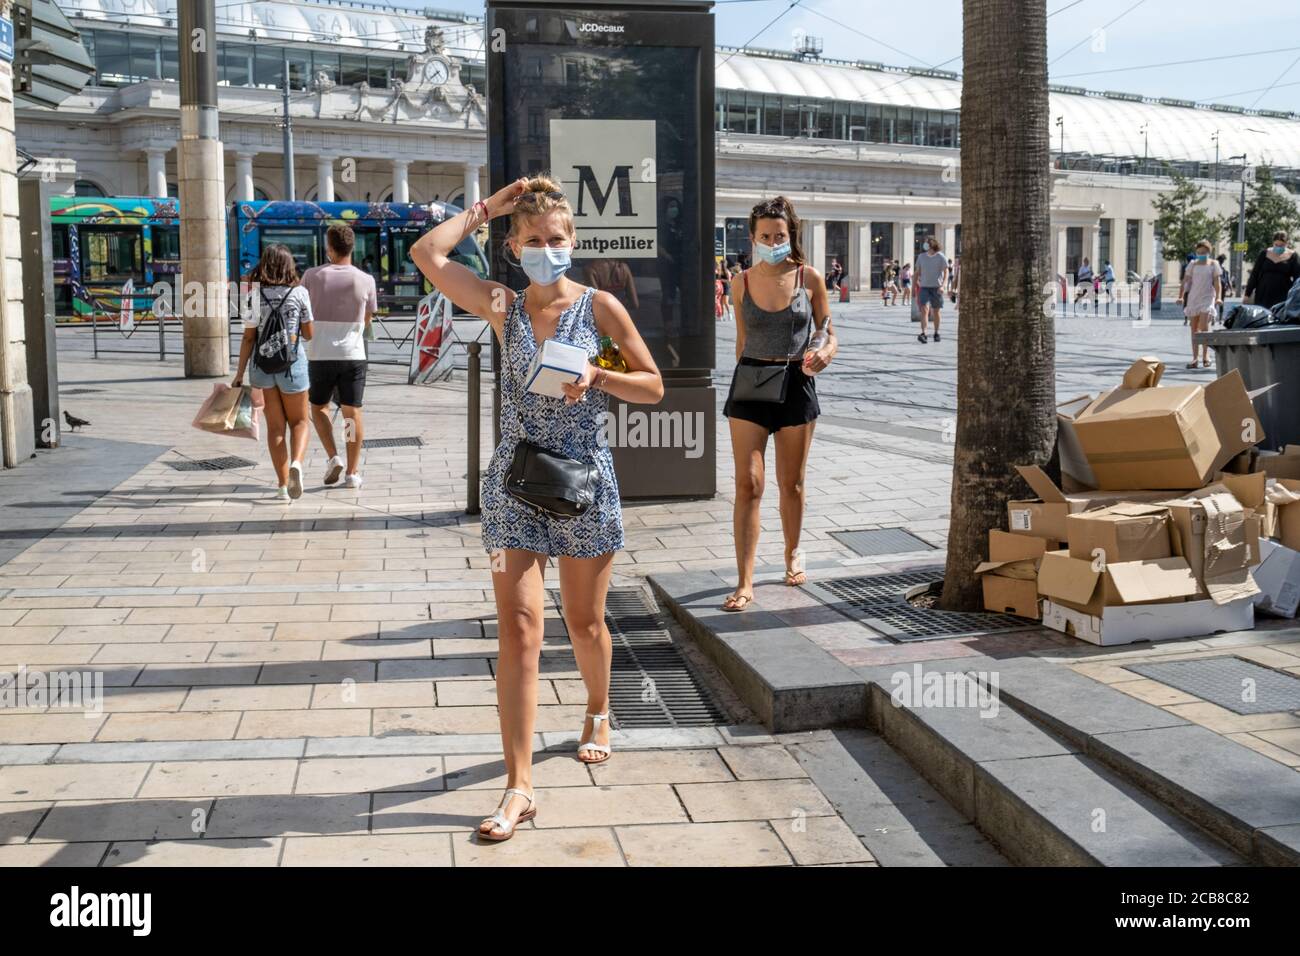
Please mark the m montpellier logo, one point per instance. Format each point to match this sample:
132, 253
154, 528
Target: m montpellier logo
609, 168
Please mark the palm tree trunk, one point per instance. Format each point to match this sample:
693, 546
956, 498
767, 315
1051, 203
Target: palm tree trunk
1006, 347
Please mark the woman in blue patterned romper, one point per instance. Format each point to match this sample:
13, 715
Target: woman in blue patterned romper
518, 538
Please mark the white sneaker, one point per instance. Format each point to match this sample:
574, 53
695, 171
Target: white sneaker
282, 496
333, 468
295, 480
352, 481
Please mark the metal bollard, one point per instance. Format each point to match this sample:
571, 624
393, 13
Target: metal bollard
472, 426
162, 341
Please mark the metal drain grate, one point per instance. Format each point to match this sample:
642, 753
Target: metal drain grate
881, 541
409, 441
1241, 686
878, 601
651, 684
212, 464
80, 391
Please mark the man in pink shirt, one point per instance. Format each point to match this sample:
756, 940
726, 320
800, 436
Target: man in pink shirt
343, 301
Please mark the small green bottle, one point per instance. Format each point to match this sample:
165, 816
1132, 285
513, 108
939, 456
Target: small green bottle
609, 357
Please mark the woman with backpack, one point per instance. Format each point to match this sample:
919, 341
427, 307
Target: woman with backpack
273, 333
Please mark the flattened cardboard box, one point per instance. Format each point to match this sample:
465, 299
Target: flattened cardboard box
1045, 518
1278, 579
1283, 465
1084, 586
1150, 622
1219, 541
1129, 531
1286, 495
1166, 437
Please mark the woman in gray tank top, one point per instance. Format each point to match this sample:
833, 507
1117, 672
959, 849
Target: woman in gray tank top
782, 319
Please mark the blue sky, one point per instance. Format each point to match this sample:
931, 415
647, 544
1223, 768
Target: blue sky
1098, 44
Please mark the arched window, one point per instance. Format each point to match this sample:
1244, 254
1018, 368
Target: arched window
84, 187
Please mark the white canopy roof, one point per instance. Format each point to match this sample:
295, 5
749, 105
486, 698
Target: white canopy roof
1094, 123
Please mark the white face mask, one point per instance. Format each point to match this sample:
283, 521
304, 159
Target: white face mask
545, 264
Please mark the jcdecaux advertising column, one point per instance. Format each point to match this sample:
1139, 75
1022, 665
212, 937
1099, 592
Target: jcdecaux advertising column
615, 101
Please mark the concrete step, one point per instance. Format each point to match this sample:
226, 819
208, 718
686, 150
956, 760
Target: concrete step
1066, 761
890, 807
1247, 800
1040, 799
788, 681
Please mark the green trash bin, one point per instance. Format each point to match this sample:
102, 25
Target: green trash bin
1266, 356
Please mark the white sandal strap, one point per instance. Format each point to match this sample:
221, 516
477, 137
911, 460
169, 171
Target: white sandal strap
499, 822
598, 748
525, 795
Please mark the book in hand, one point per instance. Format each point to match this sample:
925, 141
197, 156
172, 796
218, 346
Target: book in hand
554, 364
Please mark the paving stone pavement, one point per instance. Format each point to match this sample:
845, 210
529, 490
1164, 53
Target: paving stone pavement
313, 684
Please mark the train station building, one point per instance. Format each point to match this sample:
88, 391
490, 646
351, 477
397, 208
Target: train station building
389, 105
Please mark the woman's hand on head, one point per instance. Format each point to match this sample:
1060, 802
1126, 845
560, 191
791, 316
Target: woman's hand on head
575, 392
502, 202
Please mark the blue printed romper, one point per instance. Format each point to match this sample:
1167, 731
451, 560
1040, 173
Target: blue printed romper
572, 430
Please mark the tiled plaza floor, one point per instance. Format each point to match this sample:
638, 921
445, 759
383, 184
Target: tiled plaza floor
314, 684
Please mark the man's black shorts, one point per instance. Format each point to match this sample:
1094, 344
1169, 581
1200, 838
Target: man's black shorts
348, 376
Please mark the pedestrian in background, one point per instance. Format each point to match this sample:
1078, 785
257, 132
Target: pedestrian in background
1083, 281
888, 283
931, 276
719, 290
905, 280
1201, 292
284, 309
344, 302
783, 318
1275, 271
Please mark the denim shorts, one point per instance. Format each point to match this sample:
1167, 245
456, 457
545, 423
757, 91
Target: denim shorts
930, 295
292, 380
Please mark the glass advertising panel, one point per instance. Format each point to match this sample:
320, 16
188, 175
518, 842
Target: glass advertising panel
625, 146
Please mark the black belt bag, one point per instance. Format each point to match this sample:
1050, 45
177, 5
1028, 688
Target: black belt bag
768, 383
760, 383
562, 487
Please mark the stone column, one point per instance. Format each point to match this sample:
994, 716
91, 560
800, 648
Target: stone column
948, 236
814, 243
1119, 249
1092, 246
157, 157
1062, 244
1146, 246
860, 257
244, 191
906, 246
471, 184
401, 182
324, 178
17, 425
200, 164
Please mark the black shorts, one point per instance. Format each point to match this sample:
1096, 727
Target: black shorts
340, 380
799, 408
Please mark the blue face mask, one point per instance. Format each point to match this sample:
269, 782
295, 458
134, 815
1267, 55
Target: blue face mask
545, 264
1279, 249
1202, 258
772, 255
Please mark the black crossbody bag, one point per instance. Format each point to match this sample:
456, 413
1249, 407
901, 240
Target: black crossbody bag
768, 383
547, 481
562, 487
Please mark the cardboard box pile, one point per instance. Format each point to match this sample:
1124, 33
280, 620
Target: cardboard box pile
1173, 524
